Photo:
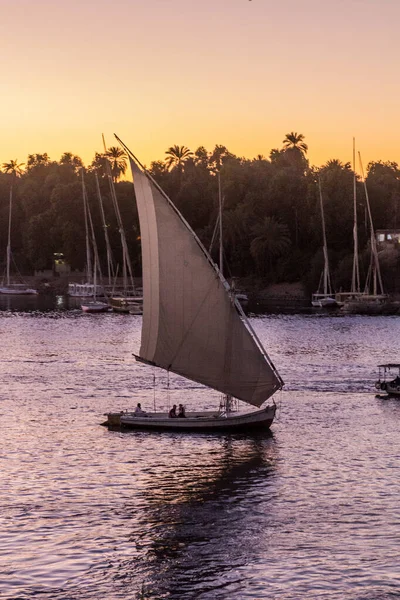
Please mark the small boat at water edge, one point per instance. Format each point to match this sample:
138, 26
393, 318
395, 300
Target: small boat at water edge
387, 382
17, 289
371, 304
193, 325
321, 300
127, 304
94, 306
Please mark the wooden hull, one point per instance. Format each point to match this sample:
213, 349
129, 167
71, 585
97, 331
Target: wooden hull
261, 419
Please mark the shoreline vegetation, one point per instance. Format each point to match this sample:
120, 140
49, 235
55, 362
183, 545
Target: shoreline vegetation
260, 293
271, 219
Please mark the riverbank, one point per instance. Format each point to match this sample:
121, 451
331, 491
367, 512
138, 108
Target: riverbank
277, 296
261, 295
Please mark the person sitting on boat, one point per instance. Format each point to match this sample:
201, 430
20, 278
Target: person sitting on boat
181, 411
138, 409
172, 413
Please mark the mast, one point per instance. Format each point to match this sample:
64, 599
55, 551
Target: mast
221, 249
9, 235
97, 267
126, 261
327, 280
355, 281
376, 271
85, 212
110, 267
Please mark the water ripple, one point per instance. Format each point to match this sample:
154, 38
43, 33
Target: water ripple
310, 511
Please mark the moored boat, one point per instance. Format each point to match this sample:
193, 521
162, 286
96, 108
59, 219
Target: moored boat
321, 300
94, 306
127, 304
85, 290
324, 297
17, 289
9, 286
387, 382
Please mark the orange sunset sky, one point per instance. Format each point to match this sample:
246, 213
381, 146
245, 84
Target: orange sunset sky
241, 73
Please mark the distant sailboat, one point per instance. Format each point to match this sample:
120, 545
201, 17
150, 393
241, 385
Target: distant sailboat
125, 300
241, 296
9, 286
93, 305
110, 262
192, 324
89, 288
373, 299
324, 297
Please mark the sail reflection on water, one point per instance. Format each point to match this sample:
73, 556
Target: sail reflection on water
200, 525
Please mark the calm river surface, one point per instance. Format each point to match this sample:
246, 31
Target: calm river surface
311, 511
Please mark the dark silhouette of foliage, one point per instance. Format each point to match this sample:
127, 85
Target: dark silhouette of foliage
13, 168
177, 156
118, 161
271, 215
295, 140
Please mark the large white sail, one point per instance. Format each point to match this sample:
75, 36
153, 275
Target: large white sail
190, 324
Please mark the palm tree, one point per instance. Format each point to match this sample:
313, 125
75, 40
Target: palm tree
295, 140
117, 158
71, 160
271, 239
13, 167
201, 156
34, 160
99, 164
219, 155
177, 156
157, 168
335, 163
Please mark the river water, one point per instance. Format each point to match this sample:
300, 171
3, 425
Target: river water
310, 511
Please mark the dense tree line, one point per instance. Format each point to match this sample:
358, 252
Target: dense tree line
271, 216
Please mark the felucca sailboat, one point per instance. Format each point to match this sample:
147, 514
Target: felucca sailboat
8, 286
192, 323
324, 297
373, 301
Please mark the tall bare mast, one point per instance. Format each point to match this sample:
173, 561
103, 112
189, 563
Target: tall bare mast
375, 268
126, 261
89, 270
355, 281
221, 249
327, 280
9, 233
110, 266
97, 266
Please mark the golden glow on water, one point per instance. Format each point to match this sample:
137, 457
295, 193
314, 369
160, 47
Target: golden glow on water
231, 72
